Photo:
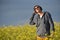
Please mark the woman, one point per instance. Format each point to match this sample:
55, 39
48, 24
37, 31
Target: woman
43, 23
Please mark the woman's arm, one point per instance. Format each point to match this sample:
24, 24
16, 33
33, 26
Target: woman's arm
32, 19
51, 22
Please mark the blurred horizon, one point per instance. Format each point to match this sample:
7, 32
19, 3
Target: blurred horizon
18, 12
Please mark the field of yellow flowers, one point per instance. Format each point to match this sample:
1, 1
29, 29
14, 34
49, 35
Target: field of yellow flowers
25, 32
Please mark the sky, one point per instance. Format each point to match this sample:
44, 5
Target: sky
18, 12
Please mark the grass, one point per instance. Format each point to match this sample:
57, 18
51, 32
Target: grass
25, 32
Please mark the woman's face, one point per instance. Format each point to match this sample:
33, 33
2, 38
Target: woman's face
37, 9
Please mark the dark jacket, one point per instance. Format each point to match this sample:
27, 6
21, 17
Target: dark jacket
43, 24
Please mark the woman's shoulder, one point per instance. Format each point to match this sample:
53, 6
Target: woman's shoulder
47, 13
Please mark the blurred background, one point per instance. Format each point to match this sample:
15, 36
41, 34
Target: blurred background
18, 12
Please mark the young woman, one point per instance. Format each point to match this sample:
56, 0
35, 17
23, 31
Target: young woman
43, 22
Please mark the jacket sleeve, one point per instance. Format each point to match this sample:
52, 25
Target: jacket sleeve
32, 20
51, 22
